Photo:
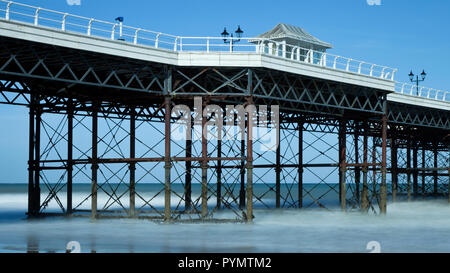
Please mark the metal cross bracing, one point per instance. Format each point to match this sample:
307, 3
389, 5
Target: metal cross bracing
275, 185
58, 69
419, 163
88, 114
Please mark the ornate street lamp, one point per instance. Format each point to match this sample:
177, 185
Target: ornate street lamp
417, 80
238, 34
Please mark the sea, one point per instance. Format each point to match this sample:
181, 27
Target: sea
420, 225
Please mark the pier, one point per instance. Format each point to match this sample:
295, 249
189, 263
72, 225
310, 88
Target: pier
88, 81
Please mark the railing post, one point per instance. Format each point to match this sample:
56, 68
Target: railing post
90, 27
136, 36
175, 44
231, 45
348, 65
181, 44
36, 16
360, 67
157, 40
371, 70
7, 10
113, 31
382, 72
63, 26
393, 74
335, 61
207, 45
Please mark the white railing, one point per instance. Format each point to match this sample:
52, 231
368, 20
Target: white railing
422, 91
92, 27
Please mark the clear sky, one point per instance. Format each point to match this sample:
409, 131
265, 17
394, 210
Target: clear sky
405, 34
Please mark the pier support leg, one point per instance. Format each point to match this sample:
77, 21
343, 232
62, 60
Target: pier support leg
342, 164
383, 188
250, 123
300, 162
357, 168
394, 167
408, 167
365, 170
435, 172
69, 155
204, 193
188, 176
416, 172
374, 168
167, 160
132, 164
37, 158
219, 174
242, 188
423, 171
94, 161
31, 156
278, 172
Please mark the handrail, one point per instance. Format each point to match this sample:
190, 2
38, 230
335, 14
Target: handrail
422, 91
14, 11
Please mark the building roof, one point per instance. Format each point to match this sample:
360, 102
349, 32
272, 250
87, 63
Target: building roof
295, 33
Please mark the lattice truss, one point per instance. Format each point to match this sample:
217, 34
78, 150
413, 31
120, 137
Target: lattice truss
417, 174
114, 165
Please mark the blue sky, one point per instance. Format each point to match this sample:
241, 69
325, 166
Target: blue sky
405, 34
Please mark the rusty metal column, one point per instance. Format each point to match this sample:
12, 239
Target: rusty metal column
204, 193
250, 122
69, 154
383, 188
37, 159
278, 170
94, 160
132, 164
31, 156
408, 166
435, 172
300, 163
423, 170
374, 167
365, 170
394, 167
219, 174
357, 168
188, 176
415, 172
250, 164
242, 189
167, 142
167, 162
342, 163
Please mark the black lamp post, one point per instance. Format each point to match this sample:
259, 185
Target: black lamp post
238, 33
416, 80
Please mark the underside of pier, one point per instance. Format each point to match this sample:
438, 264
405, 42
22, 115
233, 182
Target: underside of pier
108, 123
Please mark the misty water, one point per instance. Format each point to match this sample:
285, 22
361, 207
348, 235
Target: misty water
417, 226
